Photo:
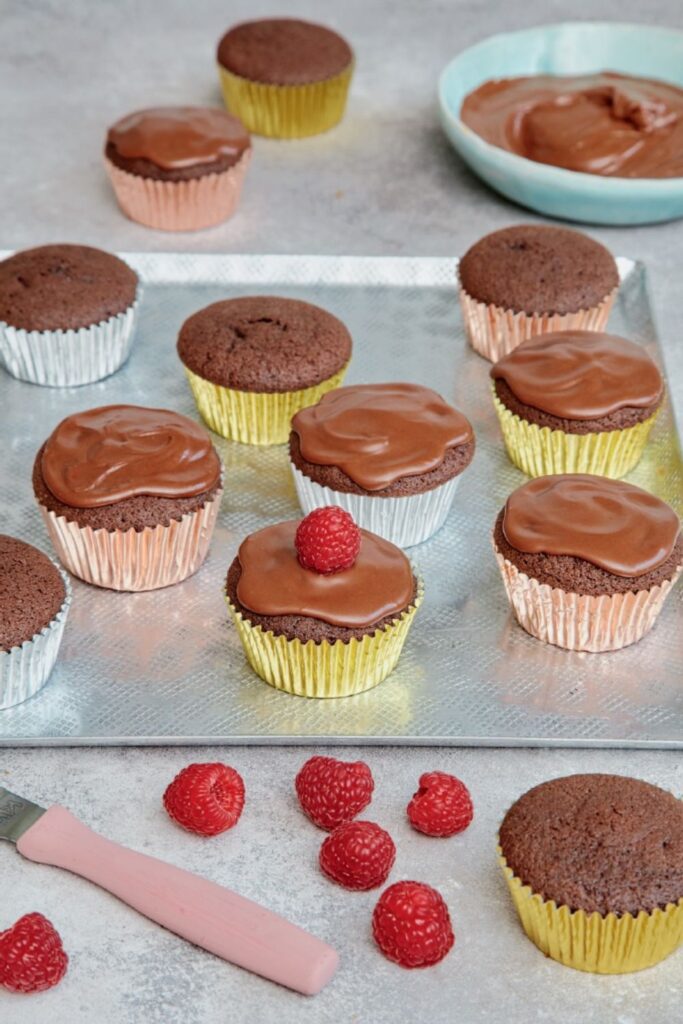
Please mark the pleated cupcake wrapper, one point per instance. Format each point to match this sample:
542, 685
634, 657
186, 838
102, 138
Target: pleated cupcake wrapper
592, 942
133, 560
62, 359
539, 451
179, 205
494, 332
25, 670
286, 111
581, 622
404, 521
326, 669
254, 417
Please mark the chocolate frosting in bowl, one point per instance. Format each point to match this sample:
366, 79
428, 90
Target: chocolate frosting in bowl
101, 456
174, 138
580, 375
612, 524
273, 581
378, 433
607, 123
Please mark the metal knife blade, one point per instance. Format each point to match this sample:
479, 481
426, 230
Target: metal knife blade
16, 815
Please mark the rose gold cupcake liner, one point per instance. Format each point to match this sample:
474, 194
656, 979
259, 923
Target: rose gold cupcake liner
581, 622
179, 205
494, 332
135, 560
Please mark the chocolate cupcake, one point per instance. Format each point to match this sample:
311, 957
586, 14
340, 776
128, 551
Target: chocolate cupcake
587, 562
390, 454
532, 279
67, 314
253, 362
178, 168
129, 495
321, 628
284, 77
594, 864
34, 603
576, 402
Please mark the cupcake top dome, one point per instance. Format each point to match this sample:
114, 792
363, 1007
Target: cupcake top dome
283, 51
32, 591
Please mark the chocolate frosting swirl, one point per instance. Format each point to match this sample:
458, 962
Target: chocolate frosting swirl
273, 581
607, 123
178, 137
105, 455
612, 524
378, 433
580, 375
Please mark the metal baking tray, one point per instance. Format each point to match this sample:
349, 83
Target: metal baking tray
167, 667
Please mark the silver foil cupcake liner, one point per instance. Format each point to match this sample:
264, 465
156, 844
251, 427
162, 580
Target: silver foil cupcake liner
135, 560
25, 670
62, 359
404, 521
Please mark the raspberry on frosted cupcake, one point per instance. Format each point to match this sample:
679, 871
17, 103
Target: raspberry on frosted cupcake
532, 279
576, 402
178, 168
587, 562
129, 495
253, 362
390, 454
67, 314
322, 608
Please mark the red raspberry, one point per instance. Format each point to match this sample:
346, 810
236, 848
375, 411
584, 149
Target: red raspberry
206, 798
32, 957
411, 925
358, 855
327, 540
331, 792
442, 805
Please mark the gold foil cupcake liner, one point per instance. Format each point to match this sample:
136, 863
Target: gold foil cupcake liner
582, 622
254, 417
135, 560
286, 111
539, 451
325, 669
179, 205
608, 944
493, 332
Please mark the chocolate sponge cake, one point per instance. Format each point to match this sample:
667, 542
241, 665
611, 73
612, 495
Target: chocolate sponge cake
32, 592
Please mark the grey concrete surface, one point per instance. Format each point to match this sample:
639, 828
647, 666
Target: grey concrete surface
385, 182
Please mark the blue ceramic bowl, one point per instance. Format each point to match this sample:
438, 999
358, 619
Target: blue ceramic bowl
567, 49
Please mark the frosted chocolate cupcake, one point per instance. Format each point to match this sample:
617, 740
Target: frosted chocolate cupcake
34, 603
594, 864
326, 631
67, 314
576, 402
253, 362
178, 168
390, 454
587, 562
532, 279
285, 77
129, 495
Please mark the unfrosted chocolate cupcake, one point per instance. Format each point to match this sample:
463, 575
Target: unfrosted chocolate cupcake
576, 402
129, 495
603, 857
285, 77
67, 314
587, 562
178, 168
390, 454
253, 362
532, 279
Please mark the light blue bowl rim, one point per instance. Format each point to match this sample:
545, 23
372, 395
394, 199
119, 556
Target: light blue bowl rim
571, 180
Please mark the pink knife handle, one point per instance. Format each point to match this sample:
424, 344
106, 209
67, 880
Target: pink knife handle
206, 914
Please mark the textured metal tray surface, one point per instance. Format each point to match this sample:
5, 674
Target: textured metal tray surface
166, 667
